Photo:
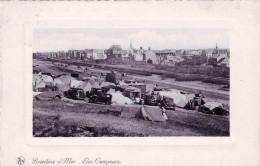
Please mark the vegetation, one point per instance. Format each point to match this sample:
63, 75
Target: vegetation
186, 71
194, 60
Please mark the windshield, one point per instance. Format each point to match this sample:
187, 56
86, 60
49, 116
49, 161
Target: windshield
151, 97
168, 100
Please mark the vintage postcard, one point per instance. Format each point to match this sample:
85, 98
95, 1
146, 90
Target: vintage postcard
104, 83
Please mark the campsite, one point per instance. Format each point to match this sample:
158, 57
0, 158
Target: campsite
70, 101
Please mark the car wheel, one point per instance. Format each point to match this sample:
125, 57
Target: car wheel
57, 97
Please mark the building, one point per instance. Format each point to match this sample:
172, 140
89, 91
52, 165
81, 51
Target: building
165, 53
98, 54
225, 62
195, 52
126, 57
137, 55
217, 56
150, 56
115, 51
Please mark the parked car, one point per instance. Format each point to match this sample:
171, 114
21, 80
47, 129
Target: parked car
195, 103
75, 93
167, 103
150, 100
213, 108
199, 94
98, 96
75, 75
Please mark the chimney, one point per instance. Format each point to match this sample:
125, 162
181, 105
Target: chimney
149, 48
141, 48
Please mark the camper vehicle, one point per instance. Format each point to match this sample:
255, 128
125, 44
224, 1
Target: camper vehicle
98, 96
75, 93
150, 100
167, 103
133, 93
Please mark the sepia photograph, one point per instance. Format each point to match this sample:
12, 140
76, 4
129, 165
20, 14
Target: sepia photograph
131, 82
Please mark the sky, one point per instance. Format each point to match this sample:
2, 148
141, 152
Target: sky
157, 39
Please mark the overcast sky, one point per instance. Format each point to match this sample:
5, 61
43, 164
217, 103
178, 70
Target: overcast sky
66, 39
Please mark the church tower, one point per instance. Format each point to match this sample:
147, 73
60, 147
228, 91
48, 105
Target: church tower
131, 44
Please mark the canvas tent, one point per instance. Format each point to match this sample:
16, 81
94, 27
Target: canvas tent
118, 98
94, 84
181, 100
75, 83
38, 82
149, 87
36, 94
153, 113
86, 86
47, 79
212, 105
66, 79
57, 81
63, 87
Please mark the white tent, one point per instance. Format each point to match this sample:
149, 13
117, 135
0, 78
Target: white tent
66, 79
212, 105
63, 87
36, 93
111, 91
47, 79
118, 98
75, 83
121, 83
94, 84
57, 81
86, 86
179, 99
38, 82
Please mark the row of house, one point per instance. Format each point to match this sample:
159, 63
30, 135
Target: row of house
88, 54
116, 54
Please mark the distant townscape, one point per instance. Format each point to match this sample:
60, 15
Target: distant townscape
131, 93
115, 54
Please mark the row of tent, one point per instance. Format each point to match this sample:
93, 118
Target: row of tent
119, 96
65, 82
